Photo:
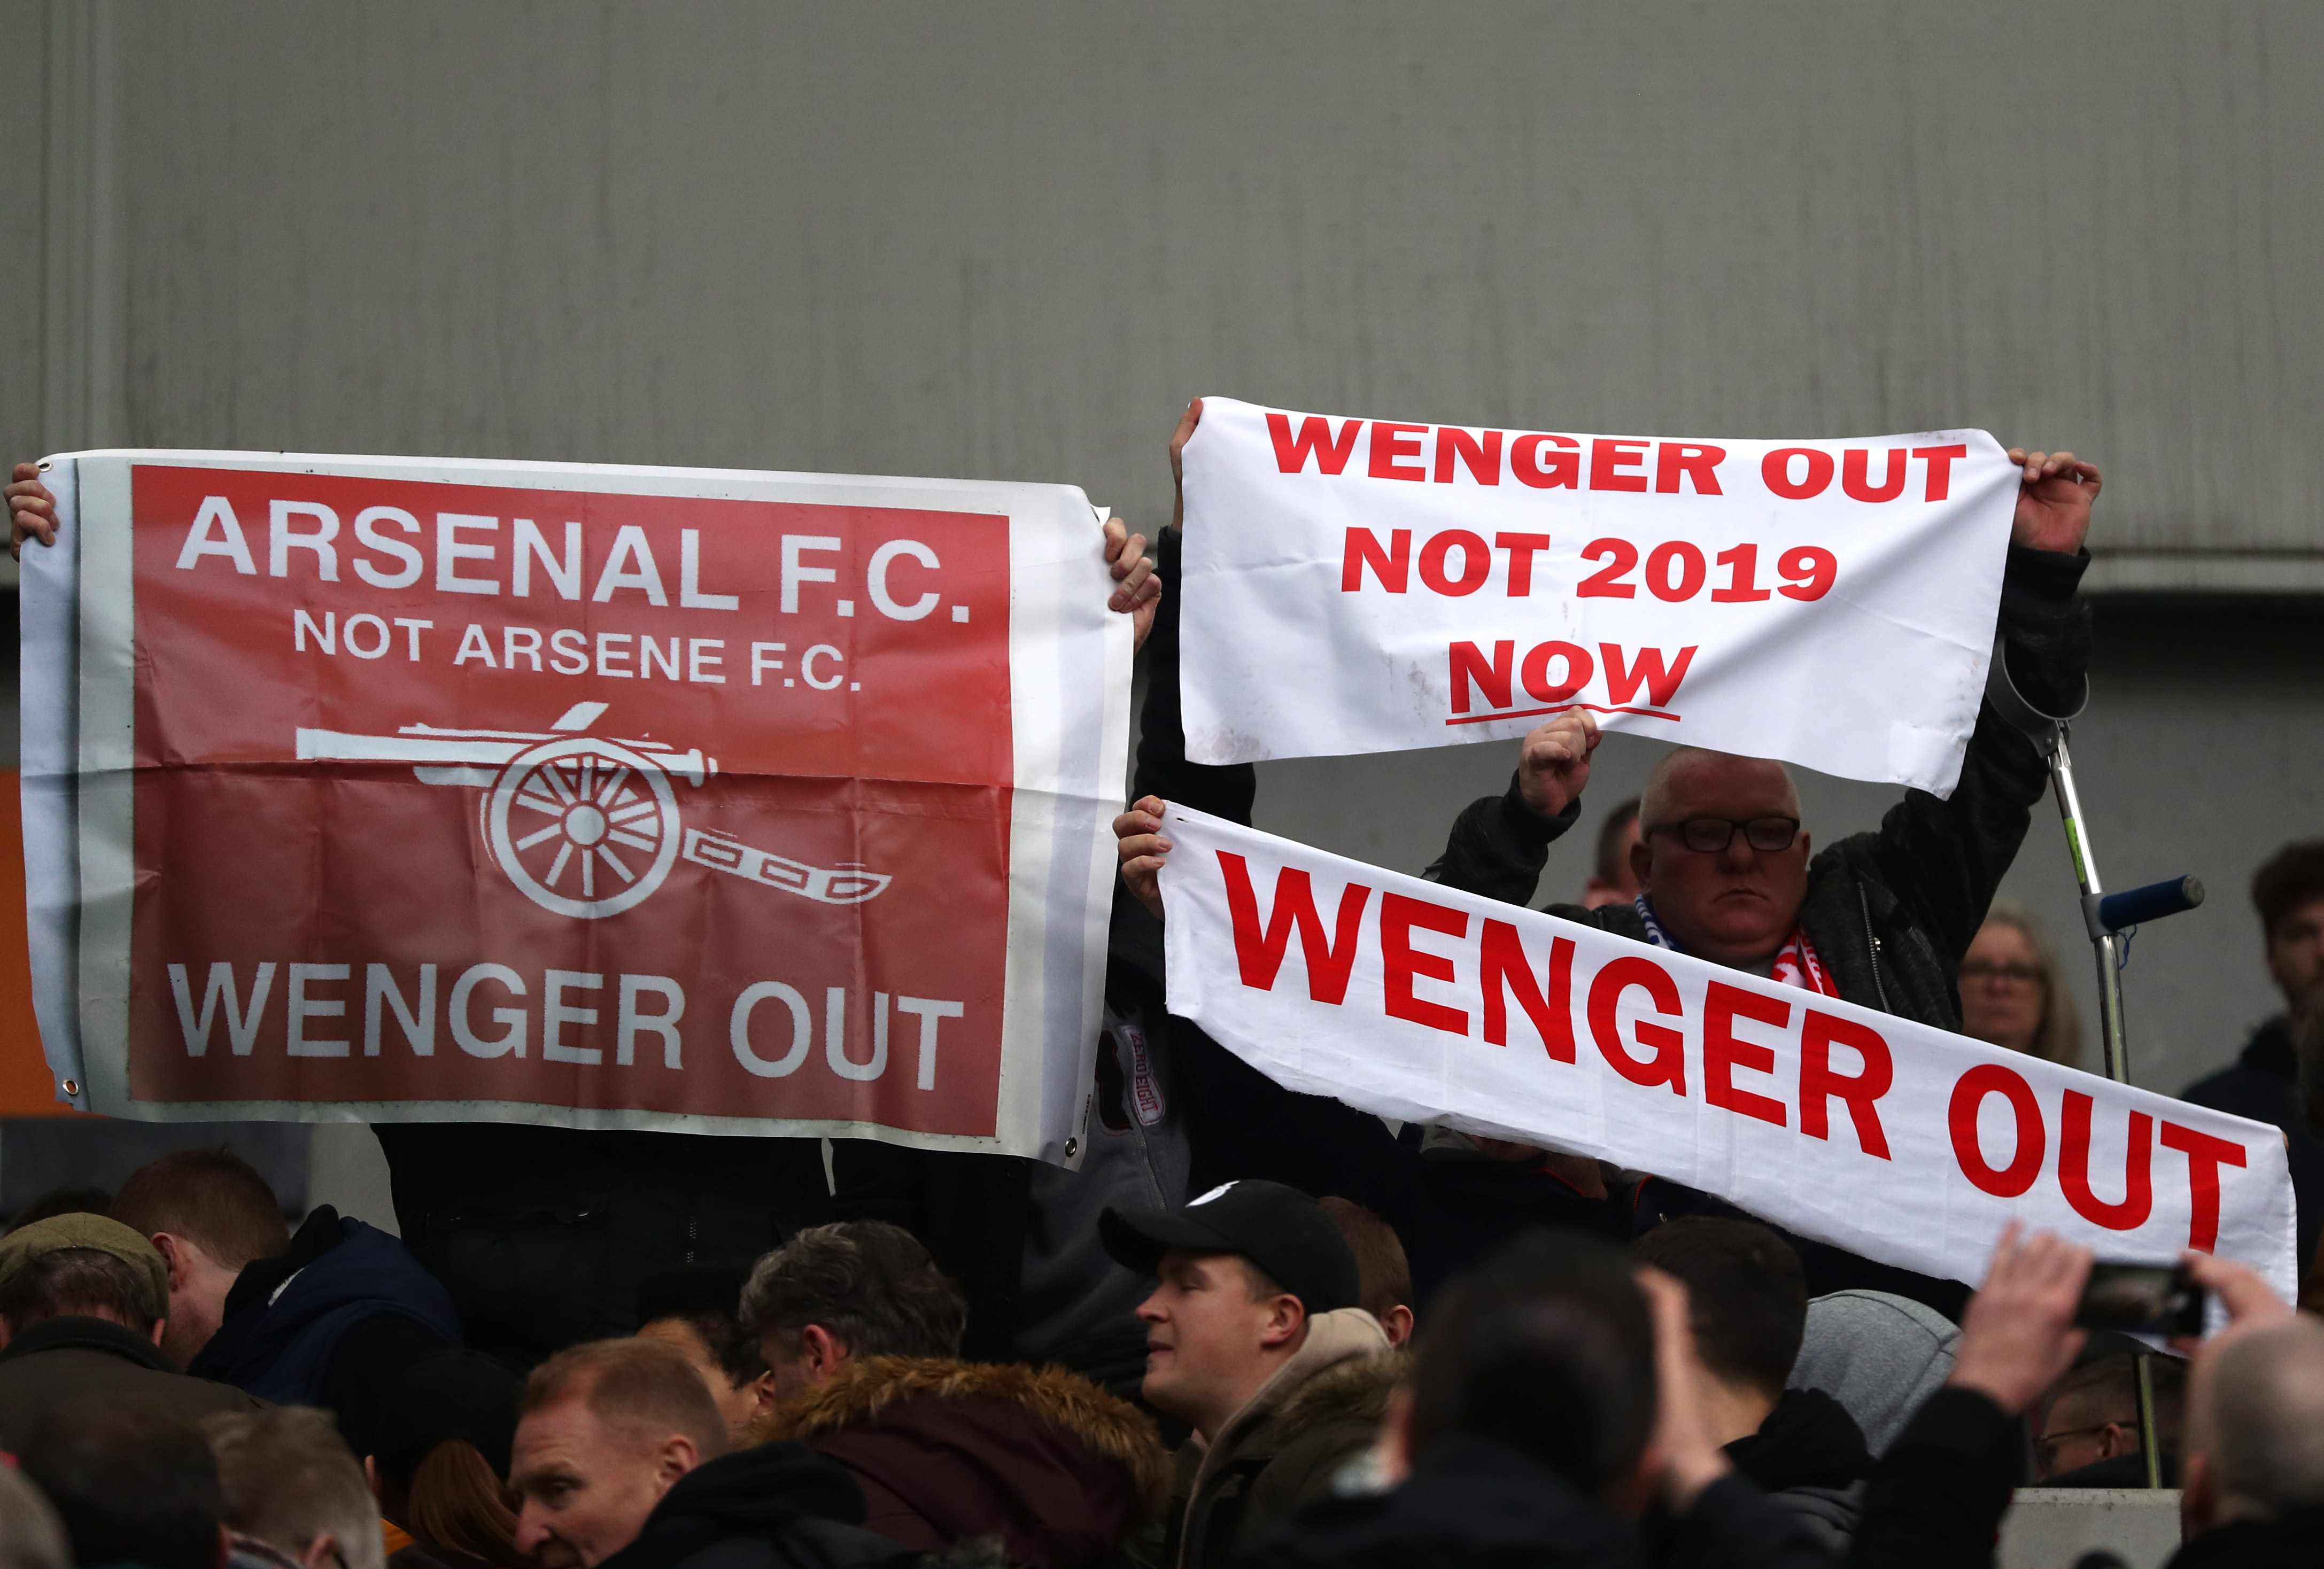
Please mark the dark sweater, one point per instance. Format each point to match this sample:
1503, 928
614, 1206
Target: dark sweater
2263, 1085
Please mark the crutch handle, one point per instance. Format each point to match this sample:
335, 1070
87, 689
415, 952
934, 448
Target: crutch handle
2134, 906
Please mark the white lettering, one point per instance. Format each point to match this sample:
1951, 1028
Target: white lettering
229, 543
881, 559
554, 1016
302, 1008
633, 1023
367, 533
419, 1025
280, 541
450, 553
807, 666
738, 1029
690, 577
794, 574
528, 544
240, 1028
464, 1033
630, 545
930, 1013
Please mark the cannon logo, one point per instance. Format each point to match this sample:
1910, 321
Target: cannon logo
585, 825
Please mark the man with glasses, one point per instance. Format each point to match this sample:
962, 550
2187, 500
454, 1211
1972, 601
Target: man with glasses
1723, 864
1883, 919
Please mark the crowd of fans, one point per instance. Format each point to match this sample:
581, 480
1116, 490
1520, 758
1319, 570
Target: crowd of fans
1253, 1328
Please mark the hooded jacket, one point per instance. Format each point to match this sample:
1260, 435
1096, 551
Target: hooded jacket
947, 1453
779, 1506
1287, 1443
332, 1321
1810, 1457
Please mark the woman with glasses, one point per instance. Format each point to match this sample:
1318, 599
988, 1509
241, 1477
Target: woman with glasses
2011, 993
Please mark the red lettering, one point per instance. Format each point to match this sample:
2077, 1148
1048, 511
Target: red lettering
1391, 566
1259, 955
1331, 452
1608, 459
1855, 476
2138, 1167
1491, 681
1508, 974
1579, 667
1400, 961
1742, 564
1558, 469
2205, 1155
1990, 1078
1660, 684
1476, 562
1687, 583
1819, 1033
1941, 469
1722, 1054
1390, 442
1482, 458
1667, 1066
1699, 464
1522, 549
1775, 469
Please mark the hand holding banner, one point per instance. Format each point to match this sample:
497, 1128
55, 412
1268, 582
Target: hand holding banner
1894, 1141
1357, 585
684, 800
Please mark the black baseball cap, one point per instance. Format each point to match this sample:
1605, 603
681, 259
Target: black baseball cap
1280, 1229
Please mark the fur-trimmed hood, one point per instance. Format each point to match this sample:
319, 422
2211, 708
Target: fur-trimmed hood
950, 1451
1357, 1390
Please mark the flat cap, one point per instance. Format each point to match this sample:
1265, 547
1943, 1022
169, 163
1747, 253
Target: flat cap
60, 1232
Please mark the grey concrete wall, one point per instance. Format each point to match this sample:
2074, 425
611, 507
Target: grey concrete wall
1008, 241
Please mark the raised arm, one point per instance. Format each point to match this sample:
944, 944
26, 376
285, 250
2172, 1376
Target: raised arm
1499, 842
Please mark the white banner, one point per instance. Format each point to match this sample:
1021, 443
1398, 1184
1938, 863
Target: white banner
1900, 1143
389, 788
1357, 585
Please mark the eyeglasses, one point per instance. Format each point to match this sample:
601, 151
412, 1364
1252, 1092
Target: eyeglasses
1986, 970
1709, 836
2045, 1448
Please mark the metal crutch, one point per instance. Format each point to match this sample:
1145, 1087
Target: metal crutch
2106, 917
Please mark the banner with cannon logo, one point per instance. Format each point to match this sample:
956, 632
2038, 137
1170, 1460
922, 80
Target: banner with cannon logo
689, 799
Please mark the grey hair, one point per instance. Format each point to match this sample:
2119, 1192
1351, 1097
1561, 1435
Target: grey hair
288, 1478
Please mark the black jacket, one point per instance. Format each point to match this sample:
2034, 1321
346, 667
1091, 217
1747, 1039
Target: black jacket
2263, 1085
2295, 1539
544, 1235
781, 1506
1890, 911
1935, 1502
1809, 1457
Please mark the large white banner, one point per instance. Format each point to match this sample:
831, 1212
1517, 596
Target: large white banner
1900, 1143
1357, 585
404, 789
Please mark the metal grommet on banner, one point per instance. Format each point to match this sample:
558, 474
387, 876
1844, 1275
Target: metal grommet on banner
1073, 1147
70, 1087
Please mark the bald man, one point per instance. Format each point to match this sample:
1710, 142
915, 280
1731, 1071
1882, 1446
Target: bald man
1724, 865
2254, 1464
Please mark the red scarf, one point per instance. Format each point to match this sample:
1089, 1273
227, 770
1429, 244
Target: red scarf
1796, 964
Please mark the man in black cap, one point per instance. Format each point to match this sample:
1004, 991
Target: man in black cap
1254, 1339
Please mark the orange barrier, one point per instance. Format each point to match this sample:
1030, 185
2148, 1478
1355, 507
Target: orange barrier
25, 1090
